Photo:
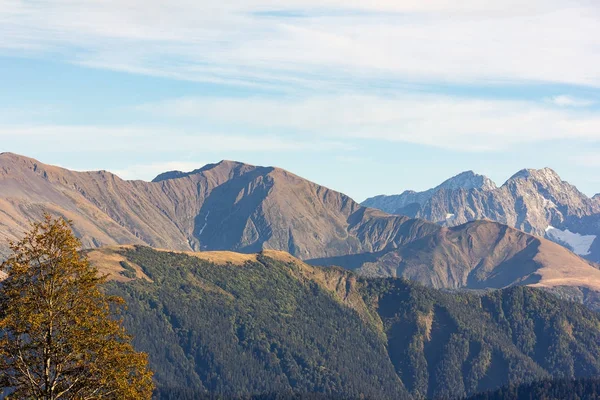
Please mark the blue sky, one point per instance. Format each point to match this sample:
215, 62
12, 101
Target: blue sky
364, 97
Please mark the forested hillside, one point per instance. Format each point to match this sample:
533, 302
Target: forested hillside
560, 389
249, 325
251, 329
448, 345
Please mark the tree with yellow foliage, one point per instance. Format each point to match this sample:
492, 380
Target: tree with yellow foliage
58, 336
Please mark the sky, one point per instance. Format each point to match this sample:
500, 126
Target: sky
365, 97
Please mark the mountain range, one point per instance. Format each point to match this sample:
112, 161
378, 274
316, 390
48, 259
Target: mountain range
238, 207
231, 274
224, 206
534, 201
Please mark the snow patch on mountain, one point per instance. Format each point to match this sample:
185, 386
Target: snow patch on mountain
205, 224
579, 243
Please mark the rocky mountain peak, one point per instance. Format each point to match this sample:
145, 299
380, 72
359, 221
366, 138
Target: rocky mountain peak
406, 192
165, 176
546, 175
222, 167
532, 200
407, 202
548, 184
468, 180
11, 158
16, 165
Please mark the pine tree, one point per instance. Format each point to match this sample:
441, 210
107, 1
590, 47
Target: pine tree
59, 338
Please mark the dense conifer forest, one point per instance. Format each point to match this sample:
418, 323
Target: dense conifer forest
277, 327
560, 389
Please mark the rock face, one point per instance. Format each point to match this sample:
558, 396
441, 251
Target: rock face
405, 202
535, 201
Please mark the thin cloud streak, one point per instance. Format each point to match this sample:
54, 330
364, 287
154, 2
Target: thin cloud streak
570, 101
475, 42
150, 140
441, 121
150, 171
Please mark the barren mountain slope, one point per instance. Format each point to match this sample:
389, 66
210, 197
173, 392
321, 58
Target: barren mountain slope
480, 255
105, 209
224, 206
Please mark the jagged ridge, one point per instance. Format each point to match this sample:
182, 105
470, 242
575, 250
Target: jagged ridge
531, 200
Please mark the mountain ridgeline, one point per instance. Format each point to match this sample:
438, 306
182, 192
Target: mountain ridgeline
535, 201
244, 208
224, 206
242, 325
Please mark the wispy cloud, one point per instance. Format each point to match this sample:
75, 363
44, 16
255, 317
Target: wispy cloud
150, 171
151, 140
234, 41
570, 101
449, 122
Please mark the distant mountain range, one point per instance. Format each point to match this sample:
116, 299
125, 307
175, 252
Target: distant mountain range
535, 201
244, 208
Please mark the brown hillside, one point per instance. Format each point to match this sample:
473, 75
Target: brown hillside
224, 206
478, 255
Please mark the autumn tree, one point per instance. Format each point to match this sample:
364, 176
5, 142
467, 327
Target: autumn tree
59, 338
